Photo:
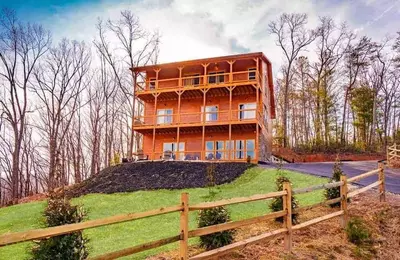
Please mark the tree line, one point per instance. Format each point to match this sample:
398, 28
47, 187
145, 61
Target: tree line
336, 89
66, 107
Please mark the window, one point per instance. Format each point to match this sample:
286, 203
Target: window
209, 150
215, 150
211, 113
250, 146
152, 83
229, 145
219, 150
215, 79
193, 80
252, 73
247, 111
174, 148
164, 116
239, 149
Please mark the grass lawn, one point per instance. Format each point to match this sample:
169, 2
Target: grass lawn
114, 237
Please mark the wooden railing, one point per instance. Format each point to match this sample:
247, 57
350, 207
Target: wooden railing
393, 153
184, 208
210, 155
193, 118
237, 77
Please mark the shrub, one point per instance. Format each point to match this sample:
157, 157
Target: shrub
58, 212
277, 203
333, 193
213, 216
357, 232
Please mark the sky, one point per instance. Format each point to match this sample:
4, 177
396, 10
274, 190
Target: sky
205, 28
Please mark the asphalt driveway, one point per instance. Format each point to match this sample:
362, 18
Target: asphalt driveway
351, 169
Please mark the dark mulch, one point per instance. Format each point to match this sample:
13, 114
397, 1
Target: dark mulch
150, 175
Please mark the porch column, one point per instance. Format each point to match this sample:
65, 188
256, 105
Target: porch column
205, 81
203, 115
231, 70
180, 76
154, 125
157, 72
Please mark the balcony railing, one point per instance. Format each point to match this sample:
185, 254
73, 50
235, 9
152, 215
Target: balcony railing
215, 155
194, 118
199, 81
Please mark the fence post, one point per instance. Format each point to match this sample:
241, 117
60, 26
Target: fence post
287, 206
343, 201
184, 223
382, 191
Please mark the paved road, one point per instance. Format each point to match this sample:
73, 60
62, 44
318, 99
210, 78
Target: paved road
350, 169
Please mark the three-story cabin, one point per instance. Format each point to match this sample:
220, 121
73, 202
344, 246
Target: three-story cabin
207, 109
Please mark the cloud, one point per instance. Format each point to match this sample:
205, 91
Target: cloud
197, 29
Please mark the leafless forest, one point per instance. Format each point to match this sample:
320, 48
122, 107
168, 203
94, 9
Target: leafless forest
66, 107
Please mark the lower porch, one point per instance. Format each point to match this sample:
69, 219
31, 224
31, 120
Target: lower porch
238, 145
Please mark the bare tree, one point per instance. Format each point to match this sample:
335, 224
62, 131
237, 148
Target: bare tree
60, 82
292, 37
139, 47
21, 46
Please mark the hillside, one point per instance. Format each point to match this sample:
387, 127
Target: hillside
114, 237
152, 175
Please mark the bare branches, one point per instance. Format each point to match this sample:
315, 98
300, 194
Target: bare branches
292, 37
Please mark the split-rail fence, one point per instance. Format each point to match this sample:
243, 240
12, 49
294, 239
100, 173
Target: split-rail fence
184, 208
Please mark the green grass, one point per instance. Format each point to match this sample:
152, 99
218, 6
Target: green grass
114, 237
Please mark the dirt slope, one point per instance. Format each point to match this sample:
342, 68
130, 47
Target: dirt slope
326, 240
149, 175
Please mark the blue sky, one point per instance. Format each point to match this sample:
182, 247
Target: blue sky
203, 28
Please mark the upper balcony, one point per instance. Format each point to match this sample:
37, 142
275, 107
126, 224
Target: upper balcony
168, 81
210, 80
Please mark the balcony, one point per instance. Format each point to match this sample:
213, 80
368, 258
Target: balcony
211, 80
243, 116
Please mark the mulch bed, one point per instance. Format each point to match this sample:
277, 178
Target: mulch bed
151, 175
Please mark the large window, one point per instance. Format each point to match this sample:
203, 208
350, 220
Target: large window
239, 149
213, 78
250, 147
252, 73
164, 116
211, 113
247, 111
244, 148
215, 150
173, 147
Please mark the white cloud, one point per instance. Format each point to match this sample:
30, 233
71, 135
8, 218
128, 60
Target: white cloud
197, 29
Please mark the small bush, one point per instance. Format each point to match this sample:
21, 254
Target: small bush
277, 203
58, 212
357, 231
333, 193
213, 216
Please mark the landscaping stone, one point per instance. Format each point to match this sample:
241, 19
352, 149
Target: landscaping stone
151, 175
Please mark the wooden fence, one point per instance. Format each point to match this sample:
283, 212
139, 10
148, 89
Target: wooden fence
393, 153
184, 208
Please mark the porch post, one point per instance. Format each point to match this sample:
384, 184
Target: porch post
154, 125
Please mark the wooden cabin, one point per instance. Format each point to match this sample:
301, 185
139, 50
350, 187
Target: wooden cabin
217, 108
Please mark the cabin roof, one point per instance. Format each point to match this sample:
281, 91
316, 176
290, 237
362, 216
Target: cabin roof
200, 61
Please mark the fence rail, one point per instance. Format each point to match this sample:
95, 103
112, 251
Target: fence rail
184, 208
393, 153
